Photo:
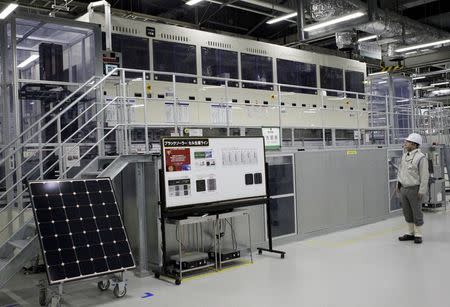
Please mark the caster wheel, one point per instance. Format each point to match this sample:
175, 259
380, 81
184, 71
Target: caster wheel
157, 275
178, 282
117, 292
259, 252
103, 285
43, 297
282, 256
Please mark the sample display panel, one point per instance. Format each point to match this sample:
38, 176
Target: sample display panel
211, 170
80, 229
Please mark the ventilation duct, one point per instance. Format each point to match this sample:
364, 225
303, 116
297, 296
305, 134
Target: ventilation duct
325, 9
388, 26
392, 55
346, 41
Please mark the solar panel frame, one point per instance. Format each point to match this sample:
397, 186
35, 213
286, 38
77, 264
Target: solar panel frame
71, 261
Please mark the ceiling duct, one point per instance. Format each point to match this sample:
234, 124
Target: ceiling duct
346, 41
407, 31
325, 9
392, 55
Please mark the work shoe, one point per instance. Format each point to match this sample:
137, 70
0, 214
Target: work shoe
418, 240
407, 237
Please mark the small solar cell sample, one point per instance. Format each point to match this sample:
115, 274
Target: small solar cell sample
80, 229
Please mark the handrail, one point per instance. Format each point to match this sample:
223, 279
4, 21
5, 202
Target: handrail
51, 121
89, 150
51, 153
46, 114
28, 206
48, 142
64, 155
15, 218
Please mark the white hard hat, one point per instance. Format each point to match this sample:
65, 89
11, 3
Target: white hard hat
415, 138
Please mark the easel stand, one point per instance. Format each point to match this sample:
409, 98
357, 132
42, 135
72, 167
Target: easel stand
176, 272
269, 222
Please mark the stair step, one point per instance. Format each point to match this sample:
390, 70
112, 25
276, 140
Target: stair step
19, 243
92, 173
3, 262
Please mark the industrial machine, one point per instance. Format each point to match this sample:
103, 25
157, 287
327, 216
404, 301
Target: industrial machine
263, 84
436, 185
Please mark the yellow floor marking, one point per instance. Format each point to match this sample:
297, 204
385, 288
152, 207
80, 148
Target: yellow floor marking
201, 275
331, 244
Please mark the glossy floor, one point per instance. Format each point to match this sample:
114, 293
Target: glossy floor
364, 266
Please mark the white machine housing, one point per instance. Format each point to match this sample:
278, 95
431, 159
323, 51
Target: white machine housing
249, 107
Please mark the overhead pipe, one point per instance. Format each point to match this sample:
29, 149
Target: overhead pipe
269, 5
300, 20
108, 29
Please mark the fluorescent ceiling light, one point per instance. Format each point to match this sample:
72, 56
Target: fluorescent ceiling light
8, 10
284, 17
333, 21
410, 52
28, 61
423, 87
439, 83
418, 78
193, 2
382, 82
423, 45
367, 38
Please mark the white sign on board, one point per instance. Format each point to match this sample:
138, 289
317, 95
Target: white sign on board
204, 170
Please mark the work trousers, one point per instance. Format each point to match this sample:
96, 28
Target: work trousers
411, 204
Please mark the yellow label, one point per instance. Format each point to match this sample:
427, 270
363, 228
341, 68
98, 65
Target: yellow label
351, 152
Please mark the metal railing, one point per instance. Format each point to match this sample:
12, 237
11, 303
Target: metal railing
380, 115
17, 188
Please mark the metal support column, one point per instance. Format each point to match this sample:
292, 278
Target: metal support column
300, 20
175, 104
17, 113
144, 92
143, 269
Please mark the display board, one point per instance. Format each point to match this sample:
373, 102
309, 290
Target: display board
80, 229
203, 171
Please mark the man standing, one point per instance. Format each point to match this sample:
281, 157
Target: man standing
412, 186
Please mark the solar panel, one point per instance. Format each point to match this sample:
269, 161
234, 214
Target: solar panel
80, 229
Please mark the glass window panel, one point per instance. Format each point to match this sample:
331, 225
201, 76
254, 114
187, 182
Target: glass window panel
56, 50
219, 63
332, 79
297, 73
281, 179
174, 58
257, 68
282, 212
135, 52
354, 82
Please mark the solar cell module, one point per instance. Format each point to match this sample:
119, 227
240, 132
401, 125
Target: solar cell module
80, 229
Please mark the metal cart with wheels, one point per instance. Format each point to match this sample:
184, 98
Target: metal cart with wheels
52, 295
